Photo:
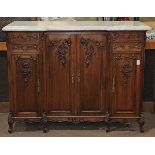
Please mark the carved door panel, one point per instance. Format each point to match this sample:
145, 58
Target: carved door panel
60, 62
91, 73
25, 84
125, 80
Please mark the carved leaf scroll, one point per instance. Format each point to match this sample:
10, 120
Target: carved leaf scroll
24, 47
24, 37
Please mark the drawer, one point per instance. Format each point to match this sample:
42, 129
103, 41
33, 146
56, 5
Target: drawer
23, 37
127, 36
24, 48
127, 47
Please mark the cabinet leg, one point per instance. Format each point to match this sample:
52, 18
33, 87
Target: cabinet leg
44, 122
10, 122
141, 122
107, 121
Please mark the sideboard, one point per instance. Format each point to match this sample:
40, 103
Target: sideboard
75, 71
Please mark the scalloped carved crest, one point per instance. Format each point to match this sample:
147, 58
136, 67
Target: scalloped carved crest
61, 47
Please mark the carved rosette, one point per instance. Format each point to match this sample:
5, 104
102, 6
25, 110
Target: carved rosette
128, 63
88, 46
61, 47
25, 67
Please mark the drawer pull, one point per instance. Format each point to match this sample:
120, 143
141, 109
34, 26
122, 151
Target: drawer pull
113, 84
78, 77
73, 77
38, 85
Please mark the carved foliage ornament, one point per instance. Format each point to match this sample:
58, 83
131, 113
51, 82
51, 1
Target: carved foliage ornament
127, 66
24, 37
126, 70
129, 36
88, 46
61, 47
24, 47
75, 120
25, 67
127, 46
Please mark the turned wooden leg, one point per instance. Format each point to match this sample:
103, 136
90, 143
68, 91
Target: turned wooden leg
141, 122
107, 121
44, 122
10, 122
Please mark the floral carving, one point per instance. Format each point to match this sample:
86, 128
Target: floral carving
25, 67
88, 46
127, 69
127, 66
61, 47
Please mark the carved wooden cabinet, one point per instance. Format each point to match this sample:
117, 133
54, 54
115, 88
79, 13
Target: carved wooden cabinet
75, 76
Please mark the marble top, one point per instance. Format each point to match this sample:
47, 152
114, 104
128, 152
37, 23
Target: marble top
75, 26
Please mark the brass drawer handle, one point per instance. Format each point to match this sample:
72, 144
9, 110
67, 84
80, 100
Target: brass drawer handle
78, 77
113, 84
38, 85
73, 76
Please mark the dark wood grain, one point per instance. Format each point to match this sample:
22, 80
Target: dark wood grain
91, 67
75, 76
60, 64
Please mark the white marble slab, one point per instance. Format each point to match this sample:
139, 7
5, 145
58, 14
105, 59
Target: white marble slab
75, 26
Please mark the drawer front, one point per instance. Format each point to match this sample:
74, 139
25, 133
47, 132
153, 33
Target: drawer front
23, 37
127, 47
24, 48
127, 36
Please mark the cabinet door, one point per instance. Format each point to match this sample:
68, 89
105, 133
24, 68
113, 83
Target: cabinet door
24, 84
125, 87
60, 71
91, 73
